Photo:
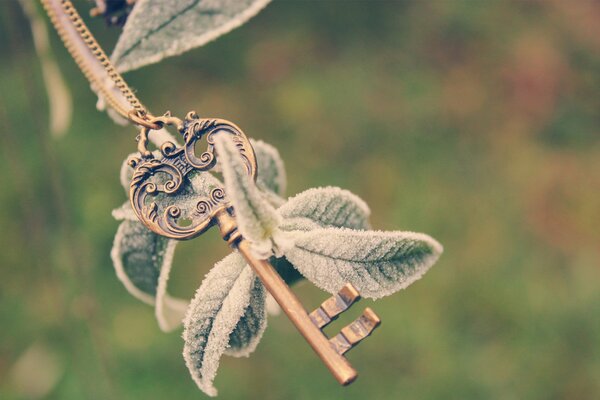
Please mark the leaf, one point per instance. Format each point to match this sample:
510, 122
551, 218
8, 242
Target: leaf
319, 208
142, 261
138, 256
257, 219
59, 98
169, 311
328, 206
376, 263
271, 171
250, 328
145, 269
218, 307
157, 29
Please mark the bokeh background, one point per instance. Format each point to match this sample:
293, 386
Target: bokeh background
475, 121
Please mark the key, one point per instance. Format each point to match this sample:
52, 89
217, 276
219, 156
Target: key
173, 165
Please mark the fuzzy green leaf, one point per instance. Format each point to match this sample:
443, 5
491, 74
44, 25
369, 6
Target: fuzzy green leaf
257, 219
227, 293
138, 256
142, 261
376, 263
157, 29
326, 207
319, 208
250, 328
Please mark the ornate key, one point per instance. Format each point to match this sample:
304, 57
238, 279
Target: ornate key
157, 178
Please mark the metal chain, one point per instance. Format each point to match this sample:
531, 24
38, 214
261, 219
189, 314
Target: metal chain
138, 114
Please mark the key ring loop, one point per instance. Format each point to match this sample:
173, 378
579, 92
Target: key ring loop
154, 124
145, 121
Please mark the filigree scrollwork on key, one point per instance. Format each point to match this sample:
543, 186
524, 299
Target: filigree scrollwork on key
206, 205
163, 174
195, 129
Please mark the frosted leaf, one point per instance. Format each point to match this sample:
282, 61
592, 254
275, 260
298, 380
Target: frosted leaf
60, 102
376, 263
319, 208
157, 29
328, 206
142, 261
272, 198
250, 328
271, 171
138, 255
219, 305
257, 219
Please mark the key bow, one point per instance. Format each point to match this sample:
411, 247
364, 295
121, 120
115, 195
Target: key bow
162, 173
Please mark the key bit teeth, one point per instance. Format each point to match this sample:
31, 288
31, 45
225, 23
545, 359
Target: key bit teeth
349, 294
353, 333
334, 306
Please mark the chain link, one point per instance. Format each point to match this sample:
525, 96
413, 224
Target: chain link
138, 114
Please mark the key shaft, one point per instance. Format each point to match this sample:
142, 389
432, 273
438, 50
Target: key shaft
289, 303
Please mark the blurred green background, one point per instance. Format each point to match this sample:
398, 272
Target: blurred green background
475, 121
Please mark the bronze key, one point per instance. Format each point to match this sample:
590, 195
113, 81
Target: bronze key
177, 163
330, 352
